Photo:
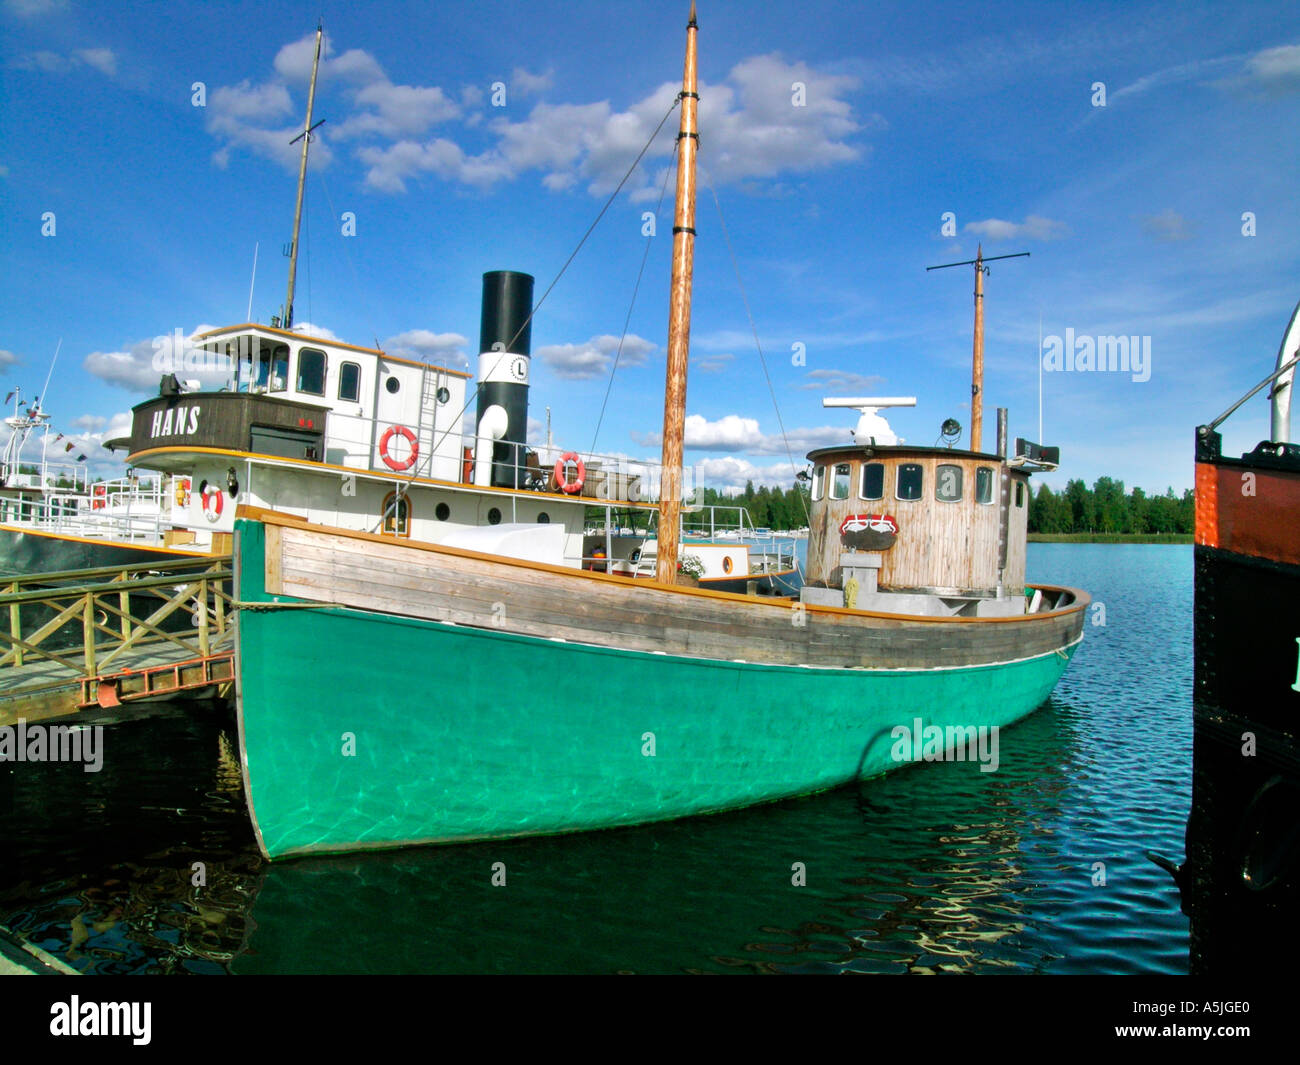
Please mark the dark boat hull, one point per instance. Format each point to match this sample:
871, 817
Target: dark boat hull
1241, 879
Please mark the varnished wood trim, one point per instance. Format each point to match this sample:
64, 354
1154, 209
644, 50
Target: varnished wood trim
272, 517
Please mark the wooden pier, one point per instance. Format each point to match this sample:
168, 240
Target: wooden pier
102, 638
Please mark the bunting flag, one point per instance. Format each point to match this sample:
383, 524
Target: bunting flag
81, 458
8, 398
58, 438
69, 447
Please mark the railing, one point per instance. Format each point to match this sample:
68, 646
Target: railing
113, 610
122, 510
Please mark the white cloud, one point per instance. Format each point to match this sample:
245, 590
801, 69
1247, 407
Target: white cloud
7, 358
729, 474
141, 367
754, 128
712, 363
526, 84
293, 62
36, 8
397, 111
1167, 225
250, 103
90, 422
841, 381
1276, 70
1034, 227
423, 345
577, 362
320, 332
734, 433
102, 59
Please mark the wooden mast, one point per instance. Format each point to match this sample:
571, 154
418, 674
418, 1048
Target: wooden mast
977, 357
679, 319
305, 137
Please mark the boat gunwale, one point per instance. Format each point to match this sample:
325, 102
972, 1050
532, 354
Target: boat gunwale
1079, 601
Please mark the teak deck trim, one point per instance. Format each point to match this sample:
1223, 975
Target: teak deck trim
278, 518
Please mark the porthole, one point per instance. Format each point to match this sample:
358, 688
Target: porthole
443, 395
543, 518
392, 384
494, 516
442, 512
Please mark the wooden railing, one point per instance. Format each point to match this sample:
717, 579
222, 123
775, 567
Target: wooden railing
112, 610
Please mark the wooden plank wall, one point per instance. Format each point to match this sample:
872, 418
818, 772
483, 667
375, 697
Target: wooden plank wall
445, 584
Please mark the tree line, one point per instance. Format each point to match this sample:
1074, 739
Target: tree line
1106, 508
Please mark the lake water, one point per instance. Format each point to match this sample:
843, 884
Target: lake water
1038, 867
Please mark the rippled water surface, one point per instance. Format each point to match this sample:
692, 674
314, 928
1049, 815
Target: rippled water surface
1038, 867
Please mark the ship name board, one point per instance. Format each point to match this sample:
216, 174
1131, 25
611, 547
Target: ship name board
174, 421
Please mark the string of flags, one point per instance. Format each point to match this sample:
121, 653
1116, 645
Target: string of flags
33, 408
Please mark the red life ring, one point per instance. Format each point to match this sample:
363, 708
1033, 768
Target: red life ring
392, 463
562, 473
99, 498
213, 501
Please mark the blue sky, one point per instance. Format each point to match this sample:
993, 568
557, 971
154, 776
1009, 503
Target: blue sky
1132, 211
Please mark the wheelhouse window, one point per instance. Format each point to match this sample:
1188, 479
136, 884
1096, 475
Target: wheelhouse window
840, 481
1020, 493
873, 481
984, 484
397, 515
273, 369
947, 484
819, 482
350, 382
911, 481
311, 372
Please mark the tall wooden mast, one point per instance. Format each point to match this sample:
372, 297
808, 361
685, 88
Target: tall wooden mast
305, 137
977, 354
679, 318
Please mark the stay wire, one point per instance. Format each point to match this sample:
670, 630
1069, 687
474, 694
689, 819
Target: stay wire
663, 191
537, 306
754, 329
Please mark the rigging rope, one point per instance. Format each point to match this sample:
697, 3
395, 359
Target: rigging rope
754, 329
663, 191
567, 262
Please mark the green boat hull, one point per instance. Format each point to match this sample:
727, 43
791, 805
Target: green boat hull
366, 730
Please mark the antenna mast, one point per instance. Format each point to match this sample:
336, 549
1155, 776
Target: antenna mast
679, 319
305, 137
977, 358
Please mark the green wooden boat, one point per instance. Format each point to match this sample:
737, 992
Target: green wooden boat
395, 691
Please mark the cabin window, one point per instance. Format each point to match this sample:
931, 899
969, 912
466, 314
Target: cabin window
442, 512
397, 515
840, 481
1020, 493
947, 484
350, 382
392, 384
494, 516
280, 369
311, 372
984, 484
911, 481
873, 481
819, 482
543, 518
272, 369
